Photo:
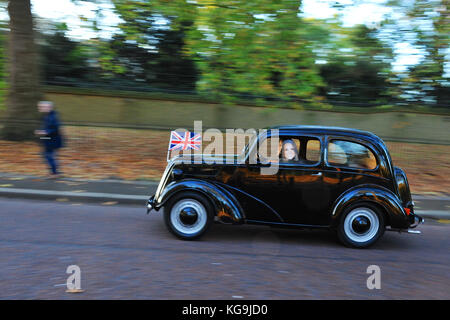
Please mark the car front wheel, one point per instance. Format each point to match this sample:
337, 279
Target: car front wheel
188, 215
361, 225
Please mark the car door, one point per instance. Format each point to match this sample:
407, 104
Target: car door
349, 162
294, 193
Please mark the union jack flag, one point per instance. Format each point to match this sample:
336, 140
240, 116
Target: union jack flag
185, 140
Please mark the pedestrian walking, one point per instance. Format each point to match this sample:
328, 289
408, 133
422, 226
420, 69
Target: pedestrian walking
50, 135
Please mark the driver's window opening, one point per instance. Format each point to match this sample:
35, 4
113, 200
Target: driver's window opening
269, 149
286, 149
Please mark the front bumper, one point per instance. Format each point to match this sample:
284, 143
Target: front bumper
150, 204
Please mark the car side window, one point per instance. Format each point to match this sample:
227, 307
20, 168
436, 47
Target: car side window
313, 150
350, 154
300, 150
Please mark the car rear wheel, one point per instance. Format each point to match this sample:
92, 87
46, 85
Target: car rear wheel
361, 225
188, 215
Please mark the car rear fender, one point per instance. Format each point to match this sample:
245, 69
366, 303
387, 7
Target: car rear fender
386, 200
227, 209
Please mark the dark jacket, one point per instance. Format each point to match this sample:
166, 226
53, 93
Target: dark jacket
53, 139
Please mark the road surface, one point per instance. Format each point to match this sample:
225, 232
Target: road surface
125, 254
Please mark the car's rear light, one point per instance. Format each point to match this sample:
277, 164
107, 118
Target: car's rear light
408, 211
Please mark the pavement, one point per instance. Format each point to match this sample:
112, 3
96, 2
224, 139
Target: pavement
137, 192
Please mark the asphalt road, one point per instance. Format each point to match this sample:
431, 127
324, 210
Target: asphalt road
125, 254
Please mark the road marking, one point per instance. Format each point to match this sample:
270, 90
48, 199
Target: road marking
446, 221
109, 203
70, 183
6, 185
237, 297
216, 263
74, 291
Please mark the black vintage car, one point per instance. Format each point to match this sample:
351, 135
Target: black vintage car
335, 178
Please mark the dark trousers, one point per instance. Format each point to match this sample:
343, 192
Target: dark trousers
49, 155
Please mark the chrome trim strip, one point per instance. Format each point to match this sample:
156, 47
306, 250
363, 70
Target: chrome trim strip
164, 178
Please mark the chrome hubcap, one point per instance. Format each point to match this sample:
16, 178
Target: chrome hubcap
361, 224
188, 216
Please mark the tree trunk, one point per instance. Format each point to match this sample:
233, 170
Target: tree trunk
23, 85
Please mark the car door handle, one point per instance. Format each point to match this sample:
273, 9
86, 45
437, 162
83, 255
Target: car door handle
318, 174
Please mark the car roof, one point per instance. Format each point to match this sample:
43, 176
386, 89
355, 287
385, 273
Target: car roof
329, 130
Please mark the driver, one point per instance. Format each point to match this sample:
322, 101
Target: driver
289, 152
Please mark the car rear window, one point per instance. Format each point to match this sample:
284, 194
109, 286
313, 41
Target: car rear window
350, 154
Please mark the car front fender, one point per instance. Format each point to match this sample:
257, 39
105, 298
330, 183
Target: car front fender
384, 198
227, 208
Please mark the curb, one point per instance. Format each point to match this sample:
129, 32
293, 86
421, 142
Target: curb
136, 182
73, 196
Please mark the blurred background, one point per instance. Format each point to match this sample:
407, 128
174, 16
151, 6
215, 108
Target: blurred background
124, 73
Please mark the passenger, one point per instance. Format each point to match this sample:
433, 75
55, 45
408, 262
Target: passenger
289, 152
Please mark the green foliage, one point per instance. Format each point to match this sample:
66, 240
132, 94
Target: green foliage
358, 66
116, 63
63, 59
265, 53
434, 39
256, 49
428, 29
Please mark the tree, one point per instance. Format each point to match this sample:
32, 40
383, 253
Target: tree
257, 50
24, 90
425, 26
64, 61
242, 49
146, 54
160, 28
358, 67
432, 25
160, 64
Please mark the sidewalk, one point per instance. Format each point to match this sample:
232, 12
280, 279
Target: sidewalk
138, 192
78, 190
